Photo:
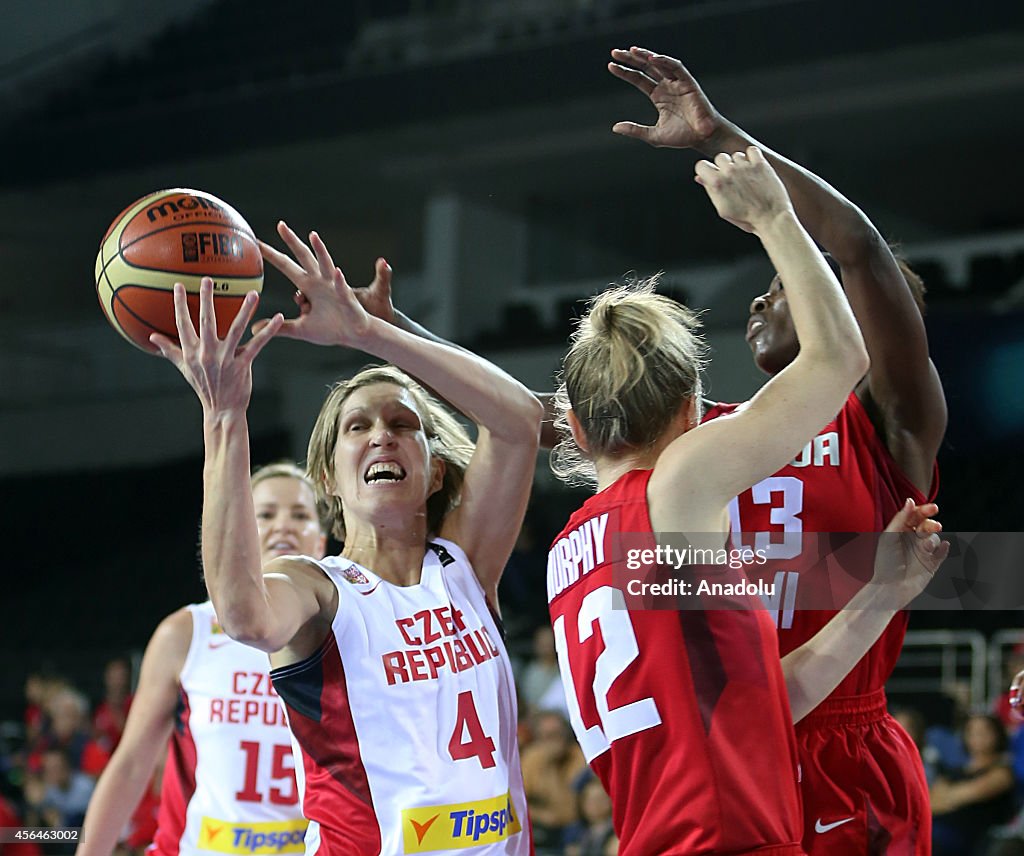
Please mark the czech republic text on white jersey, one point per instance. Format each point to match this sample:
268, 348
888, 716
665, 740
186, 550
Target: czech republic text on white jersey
406, 718
229, 785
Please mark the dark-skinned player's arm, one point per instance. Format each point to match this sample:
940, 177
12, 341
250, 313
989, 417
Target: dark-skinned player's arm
376, 299
902, 391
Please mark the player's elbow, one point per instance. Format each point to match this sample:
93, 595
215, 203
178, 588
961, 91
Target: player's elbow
532, 416
854, 356
521, 422
248, 624
855, 240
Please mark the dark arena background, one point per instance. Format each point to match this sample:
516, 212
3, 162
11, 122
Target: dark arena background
469, 144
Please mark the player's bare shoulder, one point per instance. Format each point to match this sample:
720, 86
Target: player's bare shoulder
174, 633
168, 648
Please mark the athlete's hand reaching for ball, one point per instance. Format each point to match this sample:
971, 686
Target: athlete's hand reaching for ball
219, 370
330, 313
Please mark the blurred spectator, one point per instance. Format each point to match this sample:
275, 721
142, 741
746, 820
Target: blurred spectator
592, 836
542, 671
40, 686
68, 731
60, 794
551, 761
944, 741
969, 801
111, 713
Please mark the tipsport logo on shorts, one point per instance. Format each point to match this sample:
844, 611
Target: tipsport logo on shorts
460, 825
252, 839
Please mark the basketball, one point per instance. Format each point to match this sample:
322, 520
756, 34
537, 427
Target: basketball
171, 236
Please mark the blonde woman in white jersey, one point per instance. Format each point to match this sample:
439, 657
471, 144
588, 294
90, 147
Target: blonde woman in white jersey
229, 776
389, 657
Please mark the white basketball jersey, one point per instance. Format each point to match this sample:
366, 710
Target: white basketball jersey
406, 718
229, 785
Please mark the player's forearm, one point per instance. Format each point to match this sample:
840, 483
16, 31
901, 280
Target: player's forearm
404, 322
548, 435
230, 542
489, 396
817, 667
831, 219
824, 322
117, 794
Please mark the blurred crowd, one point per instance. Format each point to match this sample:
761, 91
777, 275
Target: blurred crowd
975, 772
48, 773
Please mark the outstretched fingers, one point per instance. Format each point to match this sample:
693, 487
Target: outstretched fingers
303, 254
283, 262
207, 314
182, 320
241, 320
381, 285
667, 67
632, 129
167, 347
324, 261
263, 332
639, 59
634, 76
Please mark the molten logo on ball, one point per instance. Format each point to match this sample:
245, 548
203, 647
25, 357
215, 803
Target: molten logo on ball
184, 203
167, 237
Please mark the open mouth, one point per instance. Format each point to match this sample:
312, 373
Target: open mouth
754, 326
384, 472
282, 547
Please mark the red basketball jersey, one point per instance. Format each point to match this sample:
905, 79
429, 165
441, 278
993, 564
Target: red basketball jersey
843, 481
682, 714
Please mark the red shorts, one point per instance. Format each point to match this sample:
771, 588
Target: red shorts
861, 781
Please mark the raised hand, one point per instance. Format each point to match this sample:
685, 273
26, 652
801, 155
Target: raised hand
375, 298
743, 188
330, 312
686, 118
909, 552
219, 370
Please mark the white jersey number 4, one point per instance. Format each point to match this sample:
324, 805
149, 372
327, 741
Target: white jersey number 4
468, 739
